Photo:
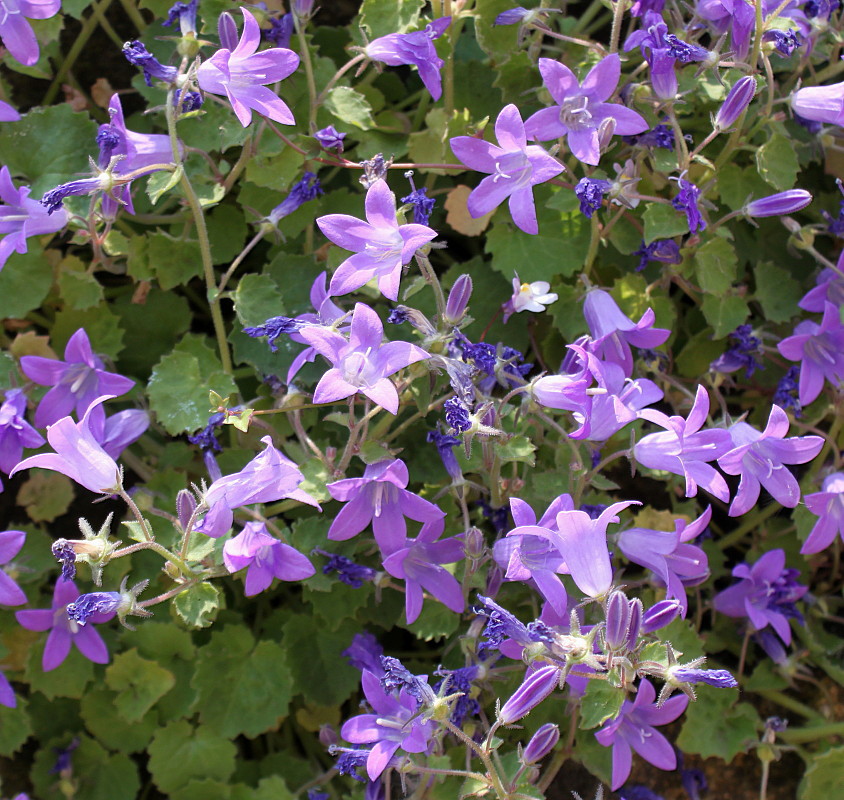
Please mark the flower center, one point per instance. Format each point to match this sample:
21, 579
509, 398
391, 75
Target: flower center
514, 167
358, 369
575, 114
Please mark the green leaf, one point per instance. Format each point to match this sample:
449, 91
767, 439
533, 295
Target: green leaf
312, 654
350, 107
15, 727
435, 622
257, 687
777, 162
517, 448
45, 495
226, 233
139, 684
724, 314
80, 290
381, 17
174, 261
257, 299
663, 221
716, 726
104, 721
198, 605
715, 265
101, 775
101, 324
160, 183
69, 679
735, 185
274, 172
25, 280
499, 42
822, 780
180, 752
777, 292
600, 703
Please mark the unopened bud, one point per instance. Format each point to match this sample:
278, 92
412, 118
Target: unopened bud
227, 31
738, 99
541, 744
659, 615
606, 130
535, 688
776, 205
327, 735
185, 506
474, 544
458, 299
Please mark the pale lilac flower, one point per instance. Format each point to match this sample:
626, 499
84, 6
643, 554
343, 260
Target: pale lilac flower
415, 48
514, 168
120, 430
15, 432
820, 351
64, 632
241, 75
268, 477
582, 113
828, 506
361, 364
760, 459
766, 594
78, 454
10, 544
21, 217
77, 381
528, 297
264, 557
820, 103
829, 288
380, 497
686, 450
395, 724
418, 562
381, 246
633, 729
17, 33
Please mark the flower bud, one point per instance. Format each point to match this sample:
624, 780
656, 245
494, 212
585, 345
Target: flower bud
327, 735
535, 688
659, 615
227, 31
634, 626
302, 10
778, 204
185, 506
541, 744
458, 299
474, 543
738, 99
618, 620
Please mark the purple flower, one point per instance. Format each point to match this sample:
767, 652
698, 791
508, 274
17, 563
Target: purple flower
120, 430
741, 354
666, 251
591, 195
361, 364
265, 557
760, 459
633, 729
460, 681
10, 544
137, 54
185, 15
778, 204
422, 205
268, 477
380, 498
684, 52
820, 103
582, 113
514, 168
330, 139
348, 571
364, 653
765, 594
736, 16
279, 34
457, 416
785, 42
381, 246
17, 33
828, 506
418, 562
64, 631
395, 724
15, 432
736, 102
660, 136
21, 217
241, 75
77, 381
78, 454
445, 444
684, 449
651, 40
8, 113
829, 289
536, 686
785, 394
417, 49
719, 678
820, 349
308, 188
541, 744
686, 201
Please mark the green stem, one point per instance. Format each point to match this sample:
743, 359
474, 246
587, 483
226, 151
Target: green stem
782, 699
757, 519
161, 550
240, 165
309, 75
237, 262
594, 241
431, 277
812, 732
131, 9
615, 32
492, 773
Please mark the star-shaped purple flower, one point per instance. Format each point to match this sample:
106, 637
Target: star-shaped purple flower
514, 168
582, 113
64, 632
10, 544
17, 33
15, 432
381, 246
361, 364
264, 557
242, 74
828, 505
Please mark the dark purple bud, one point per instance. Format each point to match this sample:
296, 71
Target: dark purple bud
618, 620
591, 193
634, 627
445, 444
535, 688
712, 677
273, 328
458, 299
541, 744
422, 205
738, 99
185, 506
138, 55
308, 188
330, 139
659, 615
778, 204
281, 30
227, 31
398, 315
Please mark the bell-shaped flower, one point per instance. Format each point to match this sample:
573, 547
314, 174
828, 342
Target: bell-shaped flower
268, 477
582, 113
21, 217
264, 557
15, 432
828, 506
78, 454
11, 543
76, 382
760, 459
634, 729
651, 39
380, 497
17, 33
394, 725
361, 364
418, 562
416, 49
685, 450
514, 168
381, 246
120, 430
64, 632
241, 75
820, 103
829, 288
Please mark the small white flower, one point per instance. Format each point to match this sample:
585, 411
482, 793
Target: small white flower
529, 297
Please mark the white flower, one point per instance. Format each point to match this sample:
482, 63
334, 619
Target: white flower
528, 297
